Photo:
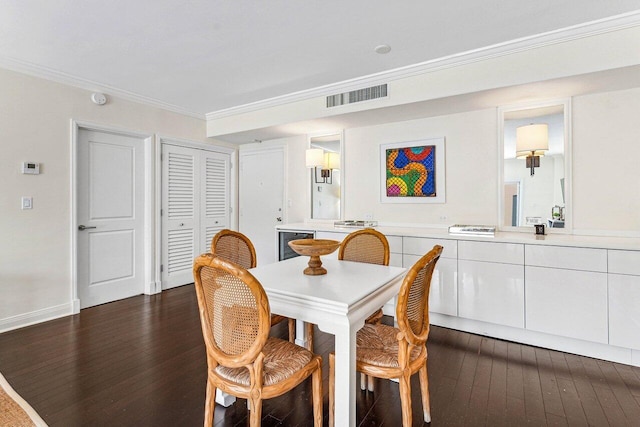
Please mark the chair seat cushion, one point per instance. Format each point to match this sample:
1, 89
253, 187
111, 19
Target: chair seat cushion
378, 345
282, 360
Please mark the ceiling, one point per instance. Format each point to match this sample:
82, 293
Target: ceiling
204, 56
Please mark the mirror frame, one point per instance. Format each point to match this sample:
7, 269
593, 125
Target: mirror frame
568, 155
310, 175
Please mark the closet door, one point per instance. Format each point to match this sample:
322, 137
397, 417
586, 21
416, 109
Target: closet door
180, 214
214, 194
195, 206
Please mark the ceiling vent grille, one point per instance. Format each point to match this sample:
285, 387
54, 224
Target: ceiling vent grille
367, 94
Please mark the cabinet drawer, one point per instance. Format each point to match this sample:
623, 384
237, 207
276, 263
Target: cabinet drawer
506, 253
624, 262
422, 245
332, 235
586, 259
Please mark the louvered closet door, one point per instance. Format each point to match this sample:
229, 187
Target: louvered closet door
195, 205
180, 214
214, 196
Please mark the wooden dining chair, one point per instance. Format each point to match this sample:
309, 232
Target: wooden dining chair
387, 352
370, 246
242, 359
237, 248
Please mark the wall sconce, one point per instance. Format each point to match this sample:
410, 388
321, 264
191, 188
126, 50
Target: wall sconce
531, 143
317, 158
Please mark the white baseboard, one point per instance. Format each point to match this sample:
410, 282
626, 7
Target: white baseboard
38, 316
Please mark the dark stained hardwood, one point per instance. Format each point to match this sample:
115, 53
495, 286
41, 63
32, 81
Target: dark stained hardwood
141, 362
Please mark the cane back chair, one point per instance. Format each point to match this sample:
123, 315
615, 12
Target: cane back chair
237, 248
242, 359
388, 352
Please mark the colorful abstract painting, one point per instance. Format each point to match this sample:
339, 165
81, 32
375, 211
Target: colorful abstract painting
412, 172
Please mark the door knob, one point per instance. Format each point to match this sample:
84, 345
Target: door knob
83, 227
279, 219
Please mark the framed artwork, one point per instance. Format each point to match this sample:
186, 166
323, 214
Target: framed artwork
412, 172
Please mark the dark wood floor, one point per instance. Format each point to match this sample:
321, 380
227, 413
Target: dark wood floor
141, 362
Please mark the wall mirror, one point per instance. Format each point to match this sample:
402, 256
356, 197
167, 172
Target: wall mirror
535, 166
324, 159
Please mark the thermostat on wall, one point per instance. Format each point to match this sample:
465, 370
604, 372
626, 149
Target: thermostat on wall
31, 168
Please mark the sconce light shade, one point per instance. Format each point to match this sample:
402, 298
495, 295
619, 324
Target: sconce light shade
314, 157
531, 142
532, 138
332, 160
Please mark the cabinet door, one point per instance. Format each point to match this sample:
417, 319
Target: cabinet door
624, 311
569, 303
443, 295
491, 292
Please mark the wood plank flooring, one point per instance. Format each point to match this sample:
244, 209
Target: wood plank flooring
141, 362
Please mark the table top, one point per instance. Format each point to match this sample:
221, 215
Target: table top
345, 284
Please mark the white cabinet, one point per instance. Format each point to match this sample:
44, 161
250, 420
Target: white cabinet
567, 291
491, 282
331, 235
443, 295
624, 299
569, 303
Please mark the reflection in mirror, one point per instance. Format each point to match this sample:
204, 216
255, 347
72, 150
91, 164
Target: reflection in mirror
324, 159
535, 166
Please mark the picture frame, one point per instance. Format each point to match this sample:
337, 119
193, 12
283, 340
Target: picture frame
413, 171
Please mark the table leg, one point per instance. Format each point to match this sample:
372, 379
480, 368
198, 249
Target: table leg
224, 399
345, 380
301, 334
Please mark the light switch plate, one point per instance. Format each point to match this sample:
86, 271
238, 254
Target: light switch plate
27, 202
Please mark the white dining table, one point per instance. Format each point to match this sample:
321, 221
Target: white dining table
338, 302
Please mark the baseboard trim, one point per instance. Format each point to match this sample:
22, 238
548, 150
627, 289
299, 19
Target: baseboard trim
37, 316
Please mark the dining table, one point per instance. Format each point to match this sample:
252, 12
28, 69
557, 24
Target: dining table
338, 302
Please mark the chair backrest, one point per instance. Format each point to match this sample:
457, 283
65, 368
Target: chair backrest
412, 308
234, 246
234, 310
366, 245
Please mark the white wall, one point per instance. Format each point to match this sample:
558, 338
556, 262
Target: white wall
606, 153
471, 170
35, 125
606, 176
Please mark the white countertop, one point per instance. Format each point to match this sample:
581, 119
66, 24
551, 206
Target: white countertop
556, 239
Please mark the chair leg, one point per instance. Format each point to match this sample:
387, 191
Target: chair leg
309, 329
363, 381
316, 379
292, 330
370, 383
424, 391
255, 412
332, 388
405, 399
209, 404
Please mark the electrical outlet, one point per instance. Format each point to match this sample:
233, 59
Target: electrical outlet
27, 202
443, 218
368, 216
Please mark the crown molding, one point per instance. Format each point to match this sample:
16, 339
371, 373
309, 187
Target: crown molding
575, 32
34, 70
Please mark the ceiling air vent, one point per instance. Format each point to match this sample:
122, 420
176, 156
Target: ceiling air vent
373, 92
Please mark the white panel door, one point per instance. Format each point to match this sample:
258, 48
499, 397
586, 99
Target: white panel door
110, 215
195, 206
261, 196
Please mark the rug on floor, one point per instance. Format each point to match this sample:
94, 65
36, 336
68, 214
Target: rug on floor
14, 410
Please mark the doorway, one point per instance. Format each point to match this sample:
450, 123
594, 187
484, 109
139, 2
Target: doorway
262, 198
110, 218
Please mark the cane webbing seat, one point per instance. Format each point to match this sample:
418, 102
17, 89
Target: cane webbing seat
242, 360
237, 248
387, 352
